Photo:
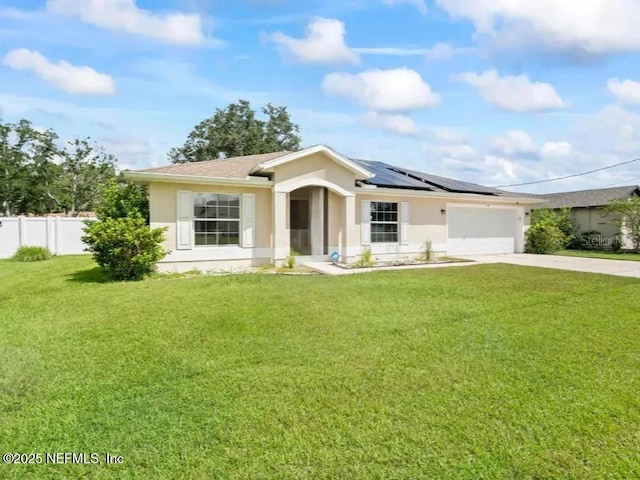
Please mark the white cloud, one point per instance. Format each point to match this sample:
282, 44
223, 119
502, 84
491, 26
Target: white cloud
419, 4
324, 43
557, 149
503, 168
611, 130
439, 51
124, 15
392, 51
451, 152
514, 93
588, 26
384, 90
121, 130
445, 51
400, 124
514, 142
81, 80
626, 91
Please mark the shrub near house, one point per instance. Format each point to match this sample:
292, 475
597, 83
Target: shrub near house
550, 231
121, 240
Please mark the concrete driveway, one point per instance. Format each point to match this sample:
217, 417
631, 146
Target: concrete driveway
621, 268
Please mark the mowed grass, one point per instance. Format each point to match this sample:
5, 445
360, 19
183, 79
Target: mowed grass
477, 372
635, 257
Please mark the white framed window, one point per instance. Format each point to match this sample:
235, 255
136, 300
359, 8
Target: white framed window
384, 222
216, 219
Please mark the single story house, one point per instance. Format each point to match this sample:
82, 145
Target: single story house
254, 210
587, 207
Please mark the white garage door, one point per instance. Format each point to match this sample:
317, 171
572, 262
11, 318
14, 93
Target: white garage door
481, 230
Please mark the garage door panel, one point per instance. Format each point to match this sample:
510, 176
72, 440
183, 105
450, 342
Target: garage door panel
474, 231
480, 246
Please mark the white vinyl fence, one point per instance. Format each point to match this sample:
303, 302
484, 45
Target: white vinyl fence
61, 235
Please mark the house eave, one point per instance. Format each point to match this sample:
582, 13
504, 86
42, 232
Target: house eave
142, 177
444, 195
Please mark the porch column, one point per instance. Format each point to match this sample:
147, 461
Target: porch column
317, 221
280, 227
349, 229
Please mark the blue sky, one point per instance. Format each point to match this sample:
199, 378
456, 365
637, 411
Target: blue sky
497, 92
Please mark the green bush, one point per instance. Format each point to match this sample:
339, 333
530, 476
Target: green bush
290, 261
126, 248
427, 251
31, 254
545, 237
563, 220
366, 258
121, 200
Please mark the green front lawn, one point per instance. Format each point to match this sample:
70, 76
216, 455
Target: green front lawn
635, 257
484, 371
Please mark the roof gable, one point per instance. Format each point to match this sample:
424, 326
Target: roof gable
360, 171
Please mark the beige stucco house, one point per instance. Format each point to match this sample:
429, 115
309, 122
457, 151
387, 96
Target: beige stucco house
587, 207
255, 210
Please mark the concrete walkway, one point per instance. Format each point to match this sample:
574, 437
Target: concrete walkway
621, 268
327, 268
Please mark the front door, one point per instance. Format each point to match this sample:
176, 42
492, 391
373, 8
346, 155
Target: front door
300, 226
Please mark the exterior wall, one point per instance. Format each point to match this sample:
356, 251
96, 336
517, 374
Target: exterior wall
316, 172
594, 219
315, 166
308, 176
426, 222
61, 235
335, 225
163, 199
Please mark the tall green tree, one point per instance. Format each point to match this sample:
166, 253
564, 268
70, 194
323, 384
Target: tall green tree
85, 168
38, 177
237, 131
27, 167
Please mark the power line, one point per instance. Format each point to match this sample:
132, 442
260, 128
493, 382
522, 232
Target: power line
620, 183
569, 176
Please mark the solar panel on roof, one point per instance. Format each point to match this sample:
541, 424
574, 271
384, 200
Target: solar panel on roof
390, 176
386, 177
451, 184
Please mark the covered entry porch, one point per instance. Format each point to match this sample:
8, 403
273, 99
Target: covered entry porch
312, 220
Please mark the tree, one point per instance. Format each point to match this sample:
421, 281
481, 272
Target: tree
627, 218
121, 199
236, 131
121, 240
27, 167
38, 177
85, 168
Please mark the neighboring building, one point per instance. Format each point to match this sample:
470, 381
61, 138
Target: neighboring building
254, 210
587, 207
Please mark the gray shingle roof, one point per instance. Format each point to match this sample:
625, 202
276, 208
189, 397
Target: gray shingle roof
588, 198
236, 167
386, 175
